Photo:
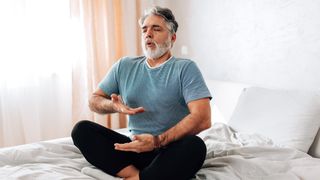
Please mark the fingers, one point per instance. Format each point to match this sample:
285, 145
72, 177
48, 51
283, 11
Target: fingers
137, 137
132, 146
139, 110
114, 97
120, 99
132, 111
140, 143
122, 108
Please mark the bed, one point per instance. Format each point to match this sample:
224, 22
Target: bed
258, 133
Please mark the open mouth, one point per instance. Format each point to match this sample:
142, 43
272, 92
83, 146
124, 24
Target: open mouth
149, 43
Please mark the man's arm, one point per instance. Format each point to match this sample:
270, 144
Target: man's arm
198, 120
101, 103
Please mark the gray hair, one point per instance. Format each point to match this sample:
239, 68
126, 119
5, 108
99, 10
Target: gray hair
165, 13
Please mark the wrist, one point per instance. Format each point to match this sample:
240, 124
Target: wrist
114, 108
156, 142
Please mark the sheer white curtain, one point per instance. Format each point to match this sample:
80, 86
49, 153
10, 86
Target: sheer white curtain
52, 55
36, 52
110, 31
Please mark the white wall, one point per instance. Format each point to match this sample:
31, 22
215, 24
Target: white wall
273, 43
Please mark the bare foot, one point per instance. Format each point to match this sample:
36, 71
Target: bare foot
129, 173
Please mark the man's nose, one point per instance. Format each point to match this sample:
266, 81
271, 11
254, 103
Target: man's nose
149, 34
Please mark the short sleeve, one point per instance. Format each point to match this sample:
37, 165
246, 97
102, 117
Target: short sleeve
193, 84
109, 83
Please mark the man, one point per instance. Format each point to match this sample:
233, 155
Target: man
167, 102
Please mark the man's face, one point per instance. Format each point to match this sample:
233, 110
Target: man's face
156, 38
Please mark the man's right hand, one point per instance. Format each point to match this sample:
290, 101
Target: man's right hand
120, 107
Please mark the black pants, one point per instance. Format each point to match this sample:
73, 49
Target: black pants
179, 160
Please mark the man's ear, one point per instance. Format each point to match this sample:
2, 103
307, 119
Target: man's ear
174, 37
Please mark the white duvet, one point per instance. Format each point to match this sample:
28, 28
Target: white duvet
230, 156
233, 156
57, 159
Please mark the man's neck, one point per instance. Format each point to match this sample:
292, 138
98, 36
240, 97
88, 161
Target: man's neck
157, 62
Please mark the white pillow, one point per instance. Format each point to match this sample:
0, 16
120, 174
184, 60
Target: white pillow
225, 97
289, 117
315, 147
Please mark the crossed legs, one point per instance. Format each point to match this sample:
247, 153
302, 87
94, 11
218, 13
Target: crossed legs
179, 160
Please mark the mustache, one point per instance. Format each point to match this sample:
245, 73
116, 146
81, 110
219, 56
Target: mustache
149, 40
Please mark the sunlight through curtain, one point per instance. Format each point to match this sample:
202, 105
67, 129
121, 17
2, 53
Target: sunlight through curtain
103, 22
35, 71
53, 54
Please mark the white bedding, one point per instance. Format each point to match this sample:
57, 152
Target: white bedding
234, 156
57, 159
230, 156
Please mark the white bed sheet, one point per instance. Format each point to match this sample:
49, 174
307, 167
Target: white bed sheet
230, 156
233, 156
57, 159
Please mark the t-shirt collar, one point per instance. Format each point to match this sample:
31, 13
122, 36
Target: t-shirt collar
159, 65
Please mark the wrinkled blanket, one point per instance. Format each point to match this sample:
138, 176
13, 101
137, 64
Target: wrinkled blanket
233, 156
230, 156
57, 159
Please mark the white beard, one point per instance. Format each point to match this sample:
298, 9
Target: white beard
160, 50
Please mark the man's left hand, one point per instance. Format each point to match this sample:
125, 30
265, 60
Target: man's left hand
140, 143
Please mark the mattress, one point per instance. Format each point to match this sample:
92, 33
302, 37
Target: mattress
230, 155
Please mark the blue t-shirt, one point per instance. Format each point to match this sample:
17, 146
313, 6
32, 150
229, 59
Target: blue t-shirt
163, 91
